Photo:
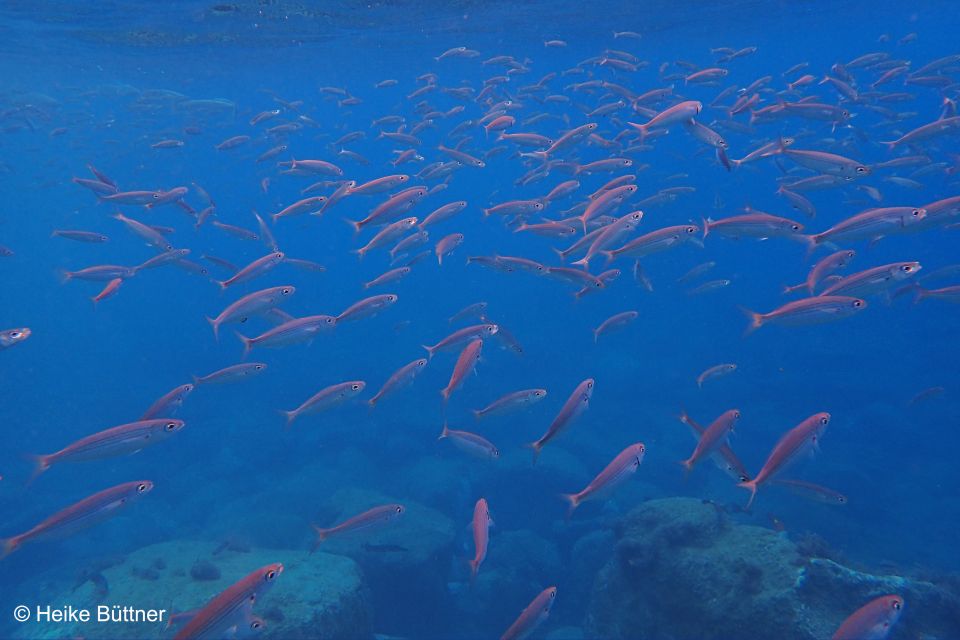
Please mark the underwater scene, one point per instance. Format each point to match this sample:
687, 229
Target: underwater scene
477, 319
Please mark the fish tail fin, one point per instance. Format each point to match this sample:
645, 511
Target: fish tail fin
573, 500
445, 432
582, 262
537, 448
223, 285
445, 394
429, 350
560, 253
247, 344
372, 402
322, 534
890, 145
756, 320
751, 486
788, 289
354, 224
608, 255
216, 327
290, 416
40, 464
360, 253
474, 570
196, 380
476, 414
687, 467
65, 276
919, 293
706, 227
8, 546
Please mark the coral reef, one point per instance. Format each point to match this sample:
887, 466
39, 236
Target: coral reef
683, 569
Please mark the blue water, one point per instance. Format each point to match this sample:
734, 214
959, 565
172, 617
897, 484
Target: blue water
80, 87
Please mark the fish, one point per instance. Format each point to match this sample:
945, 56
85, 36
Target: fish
232, 608
81, 515
117, 441
324, 399
250, 304
724, 458
871, 224
470, 443
753, 225
10, 337
677, 114
824, 267
615, 321
714, 437
294, 331
371, 519
253, 270
873, 621
481, 535
402, 377
532, 616
655, 242
813, 491
576, 403
873, 281
620, 469
715, 372
802, 438
368, 307
168, 404
814, 310
511, 402
462, 336
446, 245
466, 363
233, 373
81, 236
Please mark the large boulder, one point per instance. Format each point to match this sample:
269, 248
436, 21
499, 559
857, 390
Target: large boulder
683, 569
318, 595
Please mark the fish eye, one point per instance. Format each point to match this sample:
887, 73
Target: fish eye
858, 303
271, 575
258, 367
907, 268
496, 453
156, 196
824, 420
897, 605
736, 414
916, 212
278, 255
285, 290
842, 499
399, 509
795, 227
861, 169
171, 426
15, 334
255, 625
354, 386
330, 320
141, 487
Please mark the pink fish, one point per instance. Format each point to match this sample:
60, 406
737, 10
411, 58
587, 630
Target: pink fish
86, 513
872, 621
470, 443
223, 616
715, 372
291, 332
169, 403
620, 469
252, 303
256, 268
465, 364
461, 336
368, 307
802, 438
232, 373
713, 438
533, 616
110, 443
447, 244
481, 535
677, 114
616, 321
511, 402
576, 404
371, 519
815, 310
725, 459
325, 399
402, 377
